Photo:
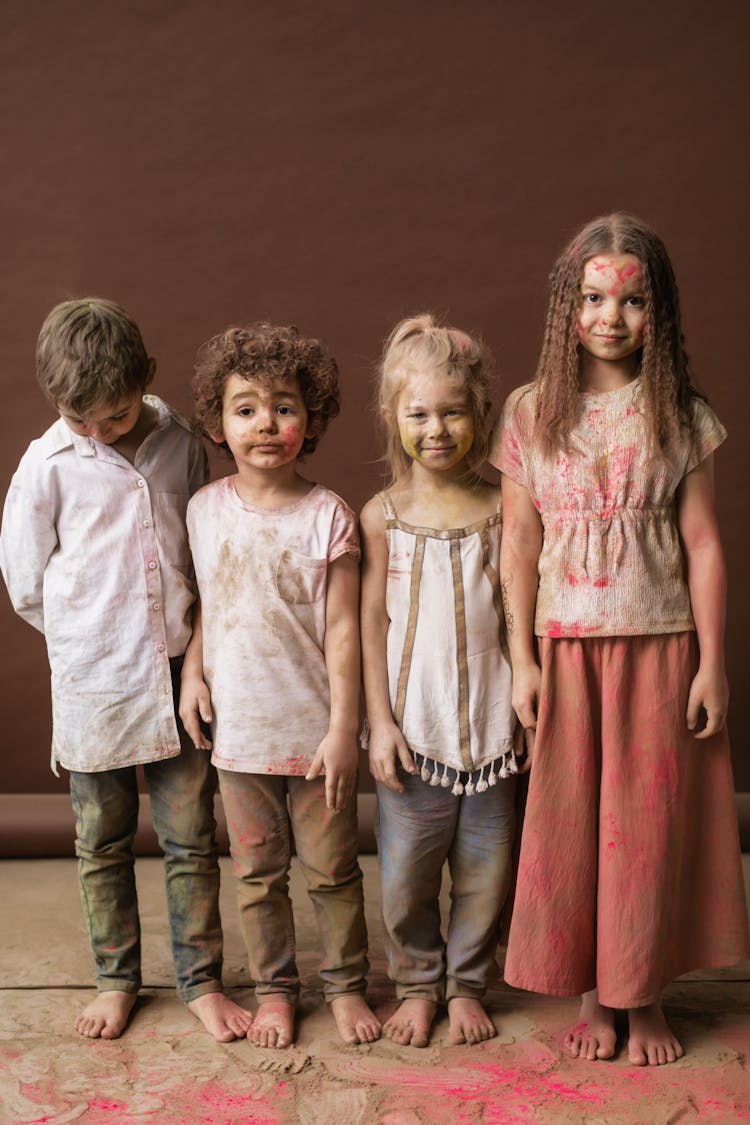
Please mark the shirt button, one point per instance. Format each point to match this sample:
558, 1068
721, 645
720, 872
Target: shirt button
152, 566
161, 648
155, 605
147, 523
141, 484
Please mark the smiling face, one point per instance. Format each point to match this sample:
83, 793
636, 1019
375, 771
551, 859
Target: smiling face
263, 423
612, 312
435, 420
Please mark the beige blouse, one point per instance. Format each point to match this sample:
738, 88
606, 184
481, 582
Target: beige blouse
611, 561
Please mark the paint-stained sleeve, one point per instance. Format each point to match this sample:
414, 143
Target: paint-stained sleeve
344, 539
708, 434
508, 448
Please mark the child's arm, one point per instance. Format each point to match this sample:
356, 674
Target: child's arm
29, 537
195, 699
337, 753
520, 546
387, 743
706, 577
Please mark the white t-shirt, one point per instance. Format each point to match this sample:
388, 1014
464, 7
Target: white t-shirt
262, 578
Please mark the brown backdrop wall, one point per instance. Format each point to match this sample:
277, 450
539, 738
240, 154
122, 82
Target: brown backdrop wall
339, 166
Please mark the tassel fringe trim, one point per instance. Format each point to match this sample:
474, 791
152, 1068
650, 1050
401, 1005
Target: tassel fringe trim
462, 782
459, 782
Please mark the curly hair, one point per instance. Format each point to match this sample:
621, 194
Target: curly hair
89, 353
664, 368
420, 342
265, 352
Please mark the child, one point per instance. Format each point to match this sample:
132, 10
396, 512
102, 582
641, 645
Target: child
275, 661
95, 556
629, 871
437, 681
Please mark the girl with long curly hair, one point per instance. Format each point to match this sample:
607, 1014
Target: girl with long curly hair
612, 569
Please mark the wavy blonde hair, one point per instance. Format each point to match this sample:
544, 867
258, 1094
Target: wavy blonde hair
664, 369
420, 343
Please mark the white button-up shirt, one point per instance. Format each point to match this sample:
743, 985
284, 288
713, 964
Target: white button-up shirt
95, 555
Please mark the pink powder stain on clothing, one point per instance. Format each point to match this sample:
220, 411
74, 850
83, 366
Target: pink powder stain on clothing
558, 631
291, 767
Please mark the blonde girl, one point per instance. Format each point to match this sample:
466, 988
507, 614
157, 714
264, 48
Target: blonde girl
630, 869
437, 681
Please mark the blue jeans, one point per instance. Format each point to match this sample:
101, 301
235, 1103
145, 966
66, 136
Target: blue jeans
418, 830
106, 810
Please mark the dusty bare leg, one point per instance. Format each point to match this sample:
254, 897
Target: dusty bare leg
273, 1025
220, 1016
594, 1036
468, 1022
106, 1016
651, 1041
411, 1022
355, 1020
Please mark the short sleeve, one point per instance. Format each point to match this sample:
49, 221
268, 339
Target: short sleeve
708, 434
507, 445
344, 538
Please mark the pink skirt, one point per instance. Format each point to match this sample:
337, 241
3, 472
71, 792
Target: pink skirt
630, 870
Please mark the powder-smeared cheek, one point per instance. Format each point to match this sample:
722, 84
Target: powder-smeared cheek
409, 445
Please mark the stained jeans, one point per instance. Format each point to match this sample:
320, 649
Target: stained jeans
106, 810
417, 831
263, 812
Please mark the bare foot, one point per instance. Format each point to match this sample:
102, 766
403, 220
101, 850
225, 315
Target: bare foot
468, 1022
221, 1017
651, 1041
273, 1025
355, 1020
411, 1022
106, 1016
594, 1036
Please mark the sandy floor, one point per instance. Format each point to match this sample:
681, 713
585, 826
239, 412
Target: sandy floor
166, 1070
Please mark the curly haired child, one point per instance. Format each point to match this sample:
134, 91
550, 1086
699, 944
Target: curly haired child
274, 664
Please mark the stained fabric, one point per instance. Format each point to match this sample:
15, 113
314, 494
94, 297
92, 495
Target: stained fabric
630, 871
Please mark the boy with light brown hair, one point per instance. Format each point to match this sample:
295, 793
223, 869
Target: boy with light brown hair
95, 555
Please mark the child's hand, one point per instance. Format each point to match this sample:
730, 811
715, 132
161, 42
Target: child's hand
710, 691
527, 682
195, 704
337, 755
386, 745
523, 740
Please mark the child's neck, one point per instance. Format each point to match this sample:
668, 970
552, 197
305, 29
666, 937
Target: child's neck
273, 488
129, 444
444, 501
598, 376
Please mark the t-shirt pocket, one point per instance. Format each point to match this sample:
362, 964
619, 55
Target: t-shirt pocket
300, 580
